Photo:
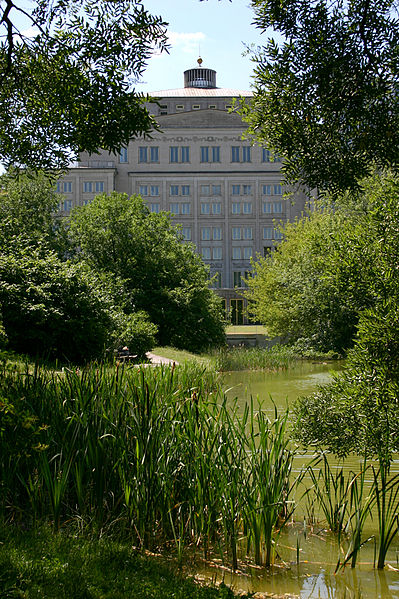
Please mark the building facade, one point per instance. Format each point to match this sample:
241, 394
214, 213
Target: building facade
225, 193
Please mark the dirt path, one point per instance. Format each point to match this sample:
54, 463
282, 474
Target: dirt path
154, 359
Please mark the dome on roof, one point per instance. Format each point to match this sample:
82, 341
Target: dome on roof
199, 77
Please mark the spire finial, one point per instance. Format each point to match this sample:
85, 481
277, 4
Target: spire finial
199, 61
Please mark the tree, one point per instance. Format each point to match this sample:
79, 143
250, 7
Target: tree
118, 236
313, 288
67, 87
326, 98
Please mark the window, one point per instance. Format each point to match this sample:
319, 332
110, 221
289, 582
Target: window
217, 253
235, 190
67, 187
142, 154
174, 208
236, 208
58, 188
267, 232
216, 190
267, 207
217, 233
179, 107
185, 154
277, 207
205, 233
247, 253
123, 155
216, 208
217, 280
186, 232
216, 154
212, 106
205, 208
185, 190
278, 234
246, 154
266, 155
236, 233
206, 253
237, 278
236, 253
67, 205
154, 190
247, 208
174, 190
88, 187
99, 186
186, 208
210, 153
247, 232
143, 190
235, 154
247, 190
205, 190
228, 106
267, 190
195, 106
204, 154
278, 190
155, 207
174, 154
86, 202
154, 154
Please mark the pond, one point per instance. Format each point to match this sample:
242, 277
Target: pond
309, 554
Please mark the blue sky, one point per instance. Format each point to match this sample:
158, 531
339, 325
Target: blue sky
220, 28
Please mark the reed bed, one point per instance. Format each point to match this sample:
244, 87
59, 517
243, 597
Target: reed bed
278, 357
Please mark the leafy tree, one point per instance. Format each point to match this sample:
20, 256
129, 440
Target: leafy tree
118, 236
326, 97
68, 87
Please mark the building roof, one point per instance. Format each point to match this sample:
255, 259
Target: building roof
190, 92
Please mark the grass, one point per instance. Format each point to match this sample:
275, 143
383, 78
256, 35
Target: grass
181, 355
246, 329
38, 564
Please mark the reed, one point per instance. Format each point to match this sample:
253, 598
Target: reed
278, 357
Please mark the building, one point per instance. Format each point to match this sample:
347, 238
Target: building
224, 192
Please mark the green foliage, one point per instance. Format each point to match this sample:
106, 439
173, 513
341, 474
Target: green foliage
118, 236
326, 97
68, 88
135, 331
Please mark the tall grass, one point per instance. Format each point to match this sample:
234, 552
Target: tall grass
254, 358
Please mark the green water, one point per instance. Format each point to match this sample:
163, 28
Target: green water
313, 576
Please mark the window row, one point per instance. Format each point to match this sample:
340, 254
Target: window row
205, 190
181, 154
93, 186
215, 208
215, 253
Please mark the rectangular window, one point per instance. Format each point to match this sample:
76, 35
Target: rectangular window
174, 154
216, 154
237, 278
267, 207
236, 208
217, 253
278, 190
267, 190
217, 233
217, 280
67, 205
206, 253
174, 208
186, 208
236, 253
142, 154
217, 208
236, 233
154, 154
195, 107
265, 155
86, 202
99, 186
67, 187
143, 190
58, 187
185, 190
246, 154
235, 154
179, 106
123, 155
267, 232
185, 154
278, 234
205, 233
205, 190
155, 207
216, 190
174, 190
88, 187
247, 253
205, 208
204, 154
278, 207
235, 190
186, 232
154, 190
247, 190
247, 208
247, 232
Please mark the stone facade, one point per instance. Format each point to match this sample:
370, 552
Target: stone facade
224, 192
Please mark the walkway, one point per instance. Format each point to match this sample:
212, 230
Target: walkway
154, 359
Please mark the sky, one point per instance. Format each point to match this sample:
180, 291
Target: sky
218, 30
